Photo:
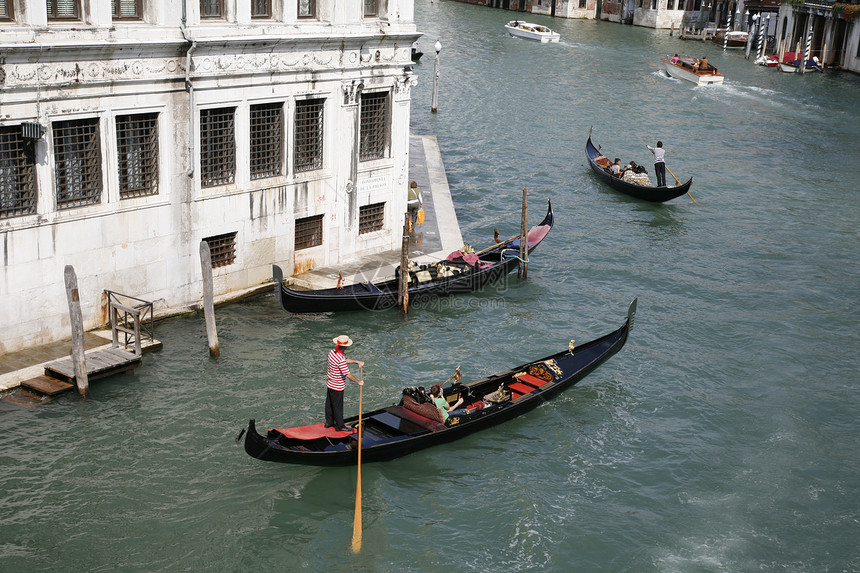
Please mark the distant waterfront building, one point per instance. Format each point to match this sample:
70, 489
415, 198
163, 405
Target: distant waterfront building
835, 32
835, 25
132, 130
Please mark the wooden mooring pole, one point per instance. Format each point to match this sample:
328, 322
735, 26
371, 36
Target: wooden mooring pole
208, 299
523, 270
77, 321
403, 283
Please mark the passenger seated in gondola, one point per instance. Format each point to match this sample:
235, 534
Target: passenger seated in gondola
637, 175
615, 168
442, 404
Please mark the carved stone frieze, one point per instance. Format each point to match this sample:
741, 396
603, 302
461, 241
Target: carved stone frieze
65, 73
95, 71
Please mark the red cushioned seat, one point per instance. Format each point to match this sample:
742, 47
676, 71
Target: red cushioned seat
519, 389
532, 380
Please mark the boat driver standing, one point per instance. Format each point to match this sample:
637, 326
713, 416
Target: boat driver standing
659, 164
338, 372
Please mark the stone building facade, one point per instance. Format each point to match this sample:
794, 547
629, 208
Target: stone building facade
834, 36
131, 130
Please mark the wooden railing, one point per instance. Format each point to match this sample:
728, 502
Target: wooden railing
131, 321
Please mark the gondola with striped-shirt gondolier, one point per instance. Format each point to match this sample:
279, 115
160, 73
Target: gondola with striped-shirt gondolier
338, 372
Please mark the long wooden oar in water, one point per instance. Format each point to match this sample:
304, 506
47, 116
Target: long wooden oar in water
678, 181
356, 523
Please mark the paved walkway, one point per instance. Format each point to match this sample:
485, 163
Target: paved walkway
435, 239
15, 367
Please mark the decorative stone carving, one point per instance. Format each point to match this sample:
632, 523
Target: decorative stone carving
351, 90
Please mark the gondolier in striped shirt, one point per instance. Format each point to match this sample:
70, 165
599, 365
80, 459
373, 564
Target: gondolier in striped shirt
659, 164
338, 372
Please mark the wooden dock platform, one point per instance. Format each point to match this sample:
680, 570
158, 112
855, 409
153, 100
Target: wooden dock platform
47, 385
100, 363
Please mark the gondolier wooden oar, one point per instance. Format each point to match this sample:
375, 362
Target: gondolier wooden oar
356, 523
679, 182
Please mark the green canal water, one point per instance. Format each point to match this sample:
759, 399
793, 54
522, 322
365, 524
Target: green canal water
723, 437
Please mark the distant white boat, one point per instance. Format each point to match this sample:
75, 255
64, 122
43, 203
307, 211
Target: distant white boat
732, 39
531, 31
688, 69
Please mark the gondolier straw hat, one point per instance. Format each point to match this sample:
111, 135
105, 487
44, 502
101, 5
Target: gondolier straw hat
342, 340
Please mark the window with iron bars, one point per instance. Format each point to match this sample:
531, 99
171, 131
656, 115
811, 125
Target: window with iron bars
267, 136
137, 154
7, 9
211, 8
222, 249
308, 148
64, 9
261, 8
17, 174
371, 218
309, 232
77, 162
307, 9
126, 9
374, 126
217, 146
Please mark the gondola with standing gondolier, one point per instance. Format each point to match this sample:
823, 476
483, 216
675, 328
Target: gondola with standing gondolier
411, 425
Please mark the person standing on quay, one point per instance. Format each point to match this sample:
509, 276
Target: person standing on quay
338, 372
659, 165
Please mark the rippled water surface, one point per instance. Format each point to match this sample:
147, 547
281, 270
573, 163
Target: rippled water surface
723, 437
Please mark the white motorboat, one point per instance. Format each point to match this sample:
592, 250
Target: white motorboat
688, 69
531, 31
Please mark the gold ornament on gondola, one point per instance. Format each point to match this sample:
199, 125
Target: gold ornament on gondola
570, 346
456, 376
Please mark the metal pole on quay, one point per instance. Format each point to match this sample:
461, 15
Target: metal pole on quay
438, 47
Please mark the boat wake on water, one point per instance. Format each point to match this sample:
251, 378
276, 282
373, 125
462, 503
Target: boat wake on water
768, 99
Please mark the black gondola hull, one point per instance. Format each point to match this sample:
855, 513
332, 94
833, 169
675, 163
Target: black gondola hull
565, 368
383, 295
643, 192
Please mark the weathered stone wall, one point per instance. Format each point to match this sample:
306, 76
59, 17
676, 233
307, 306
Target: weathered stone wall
148, 246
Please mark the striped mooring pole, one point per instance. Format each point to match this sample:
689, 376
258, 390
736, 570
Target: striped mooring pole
761, 33
726, 34
808, 50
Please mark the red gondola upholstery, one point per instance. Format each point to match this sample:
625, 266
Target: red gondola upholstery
530, 380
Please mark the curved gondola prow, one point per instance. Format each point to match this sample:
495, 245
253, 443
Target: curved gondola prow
631, 314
